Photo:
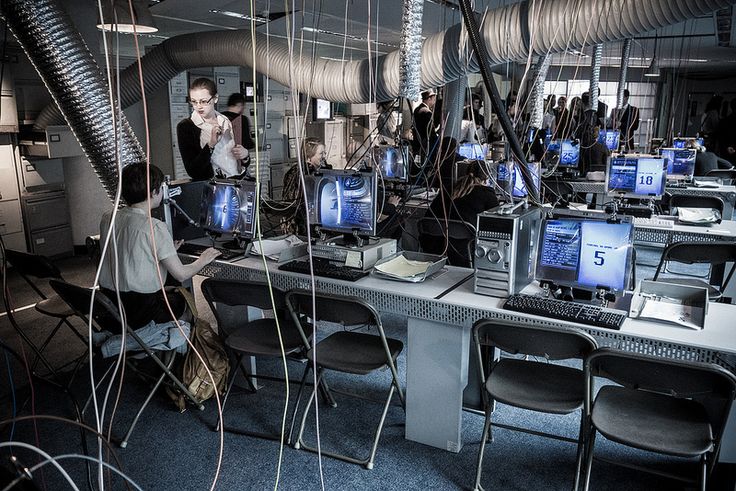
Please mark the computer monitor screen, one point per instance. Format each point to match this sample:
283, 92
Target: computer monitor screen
321, 109
585, 253
680, 163
345, 201
228, 207
679, 142
519, 186
636, 176
473, 151
569, 153
610, 138
391, 162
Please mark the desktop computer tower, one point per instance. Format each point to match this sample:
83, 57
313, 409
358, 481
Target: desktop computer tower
505, 250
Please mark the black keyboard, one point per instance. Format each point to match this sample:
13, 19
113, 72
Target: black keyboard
198, 249
566, 311
324, 268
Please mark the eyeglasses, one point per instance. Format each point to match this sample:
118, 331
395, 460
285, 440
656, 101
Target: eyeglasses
201, 103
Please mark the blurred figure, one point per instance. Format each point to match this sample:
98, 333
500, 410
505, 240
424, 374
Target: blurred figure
313, 158
549, 120
626, 120
425, 131
710, 121
727, 135
562, 117
386, 122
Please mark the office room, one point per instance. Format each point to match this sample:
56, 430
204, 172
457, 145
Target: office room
367, 245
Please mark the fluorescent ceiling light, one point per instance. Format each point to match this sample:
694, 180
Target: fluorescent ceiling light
238, 15
347, 36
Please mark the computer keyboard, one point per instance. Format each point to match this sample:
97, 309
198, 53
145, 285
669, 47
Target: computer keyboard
324, 268
653, 222
198, 249
566, 311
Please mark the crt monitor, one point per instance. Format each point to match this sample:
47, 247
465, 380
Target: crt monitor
391, 162
229, 207
473, 151
680, 163
321, 109
184, 223
569, 153
585, 253
636, 176
344, 201
610, 138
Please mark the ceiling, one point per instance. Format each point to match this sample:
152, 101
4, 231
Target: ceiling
345, 30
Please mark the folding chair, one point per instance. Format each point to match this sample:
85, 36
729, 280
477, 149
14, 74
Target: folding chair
435, 232
229, 301
687, 201
717, 254
105, 317
726, 176
671, 407
527, 383
348, 352
33, 266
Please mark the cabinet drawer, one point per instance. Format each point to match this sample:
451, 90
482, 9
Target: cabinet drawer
10, 217
46, 212
52, 242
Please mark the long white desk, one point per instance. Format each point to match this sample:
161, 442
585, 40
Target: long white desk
441, 312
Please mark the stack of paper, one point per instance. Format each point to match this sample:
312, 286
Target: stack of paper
698, 215
405, 269
273, 247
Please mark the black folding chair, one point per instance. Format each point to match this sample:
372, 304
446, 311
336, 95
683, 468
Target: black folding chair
528, 383
435, 233
687, 201
671, 407
34, 266
106, 317
716, 254
726, 176
346, 351
229, 301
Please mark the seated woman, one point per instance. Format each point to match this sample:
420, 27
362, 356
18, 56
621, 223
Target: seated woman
471, 195
313, 158
206, 140
144, 249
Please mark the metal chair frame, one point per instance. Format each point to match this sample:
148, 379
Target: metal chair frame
517, 339
334, 308
707, 384
105, 313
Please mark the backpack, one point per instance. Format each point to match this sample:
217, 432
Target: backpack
210, 347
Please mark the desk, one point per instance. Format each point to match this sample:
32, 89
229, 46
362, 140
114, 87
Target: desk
663, 236
441, 312
726, 193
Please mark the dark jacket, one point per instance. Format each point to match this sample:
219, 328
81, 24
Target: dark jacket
245, 139
196, 159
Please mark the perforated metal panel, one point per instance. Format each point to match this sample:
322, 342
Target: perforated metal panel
461, 316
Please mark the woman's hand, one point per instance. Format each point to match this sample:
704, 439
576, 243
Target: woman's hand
215, 135
240, 152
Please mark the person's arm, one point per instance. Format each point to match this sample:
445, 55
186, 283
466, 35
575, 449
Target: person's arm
196, 159
247, 140
183, 272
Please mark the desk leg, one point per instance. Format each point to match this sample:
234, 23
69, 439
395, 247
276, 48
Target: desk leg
436, 375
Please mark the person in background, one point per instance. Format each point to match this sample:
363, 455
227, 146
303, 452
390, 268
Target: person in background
144, 246
386, 122
473, 123
205, 139
594, 155
549, 120
727, 135
626, 120
470, 195
706, 161
425, 132
240, 123
562, 117
710, 121
313, 158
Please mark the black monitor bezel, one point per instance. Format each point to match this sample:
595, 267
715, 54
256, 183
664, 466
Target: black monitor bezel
326, 173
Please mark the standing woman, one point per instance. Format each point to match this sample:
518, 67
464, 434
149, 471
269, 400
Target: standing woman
206, 139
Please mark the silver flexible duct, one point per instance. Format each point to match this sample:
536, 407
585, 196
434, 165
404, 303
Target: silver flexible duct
75, 82
410, 50
595, 75
625, 54
536, 117
505, 31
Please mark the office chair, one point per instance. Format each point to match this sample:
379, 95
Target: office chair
435, 233
671, 407
229, 301
686, 201
34, 266
526, 383
346, 351
717, 254
106, 317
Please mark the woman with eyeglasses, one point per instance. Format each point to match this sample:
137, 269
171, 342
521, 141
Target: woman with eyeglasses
206, 139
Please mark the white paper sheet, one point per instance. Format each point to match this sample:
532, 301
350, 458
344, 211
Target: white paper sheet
272, 247
697, 215
401, 267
